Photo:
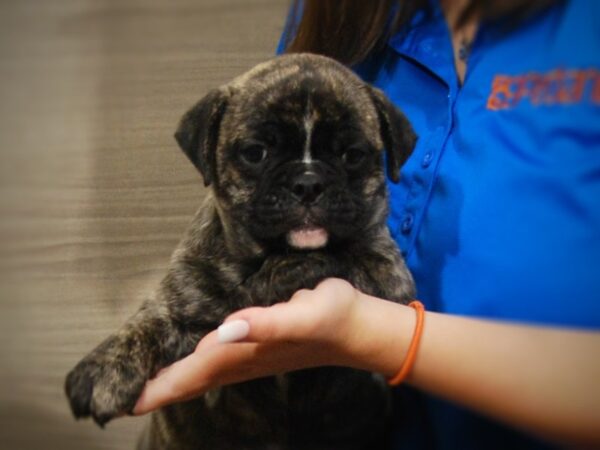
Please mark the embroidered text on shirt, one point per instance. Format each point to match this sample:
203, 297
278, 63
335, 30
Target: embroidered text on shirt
560, 86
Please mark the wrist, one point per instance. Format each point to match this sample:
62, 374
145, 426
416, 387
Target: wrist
383, 333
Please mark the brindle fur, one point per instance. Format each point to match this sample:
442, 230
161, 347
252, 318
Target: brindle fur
233, 256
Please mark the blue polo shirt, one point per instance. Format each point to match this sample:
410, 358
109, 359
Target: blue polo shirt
498, 209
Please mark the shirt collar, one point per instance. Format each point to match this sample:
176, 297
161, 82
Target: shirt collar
426, 40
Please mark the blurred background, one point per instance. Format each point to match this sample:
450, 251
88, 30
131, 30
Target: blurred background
94, 193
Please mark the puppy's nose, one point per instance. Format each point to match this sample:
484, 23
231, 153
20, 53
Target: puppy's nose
307, 187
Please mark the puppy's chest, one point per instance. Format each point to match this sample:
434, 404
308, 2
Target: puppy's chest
280, 276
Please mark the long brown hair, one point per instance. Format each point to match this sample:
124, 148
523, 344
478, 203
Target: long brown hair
349, 30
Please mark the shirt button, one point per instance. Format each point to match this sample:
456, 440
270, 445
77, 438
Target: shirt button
407, 223
427, 159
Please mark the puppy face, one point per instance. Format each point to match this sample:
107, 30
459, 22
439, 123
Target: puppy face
293, 150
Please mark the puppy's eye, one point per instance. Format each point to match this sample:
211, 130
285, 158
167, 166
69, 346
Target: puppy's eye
253, 154
353, 157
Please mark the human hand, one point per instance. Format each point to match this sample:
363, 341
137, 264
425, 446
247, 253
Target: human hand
322, 326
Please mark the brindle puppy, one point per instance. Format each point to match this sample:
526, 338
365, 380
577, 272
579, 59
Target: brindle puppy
292, 154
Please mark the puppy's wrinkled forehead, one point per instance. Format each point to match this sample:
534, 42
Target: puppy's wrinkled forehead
300, 92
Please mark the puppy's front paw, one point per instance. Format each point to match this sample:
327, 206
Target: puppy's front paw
103, 388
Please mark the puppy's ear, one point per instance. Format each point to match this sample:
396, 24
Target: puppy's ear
198, 132
396, 133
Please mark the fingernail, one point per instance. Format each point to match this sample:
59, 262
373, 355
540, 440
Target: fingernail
233, 331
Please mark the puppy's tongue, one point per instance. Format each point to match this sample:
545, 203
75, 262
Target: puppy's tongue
308, 238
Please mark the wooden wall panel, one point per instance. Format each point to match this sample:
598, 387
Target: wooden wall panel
94, 193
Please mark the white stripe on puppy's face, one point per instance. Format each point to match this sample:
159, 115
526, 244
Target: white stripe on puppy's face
309, 122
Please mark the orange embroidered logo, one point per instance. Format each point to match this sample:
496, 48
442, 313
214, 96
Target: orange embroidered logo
559, 86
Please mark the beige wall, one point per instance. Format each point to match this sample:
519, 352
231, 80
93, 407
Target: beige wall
93, 191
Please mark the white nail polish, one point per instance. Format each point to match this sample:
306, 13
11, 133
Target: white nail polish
233, 331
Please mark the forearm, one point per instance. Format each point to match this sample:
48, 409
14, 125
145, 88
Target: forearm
544, 380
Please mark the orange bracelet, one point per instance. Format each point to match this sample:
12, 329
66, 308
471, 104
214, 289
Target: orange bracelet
411, 355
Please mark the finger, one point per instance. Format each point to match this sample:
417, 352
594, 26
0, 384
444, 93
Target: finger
156, 393
281, 322
196, 374
159, 391
208, 341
